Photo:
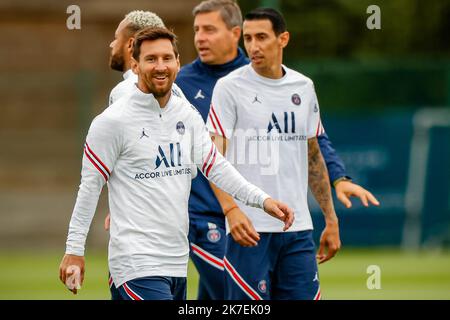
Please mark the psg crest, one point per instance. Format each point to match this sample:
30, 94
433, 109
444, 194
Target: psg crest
213, 235
296, 99
262, 286
180, 127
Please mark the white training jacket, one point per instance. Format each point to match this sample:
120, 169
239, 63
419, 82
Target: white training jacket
145, 154
268, 123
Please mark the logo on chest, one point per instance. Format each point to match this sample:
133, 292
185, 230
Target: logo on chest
199, 95
144, 134
180, 127
256, 99
285, 125
296, 99
174, 158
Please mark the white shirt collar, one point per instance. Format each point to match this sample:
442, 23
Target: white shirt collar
268, 81
127, 74
148, 100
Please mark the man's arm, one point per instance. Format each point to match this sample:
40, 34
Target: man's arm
100, 153
219, 171
221, 118
343, 185
320, 187
241, 228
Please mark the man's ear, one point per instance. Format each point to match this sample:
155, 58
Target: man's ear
134, 65
237, 31
130, 45
178, 63
284, 39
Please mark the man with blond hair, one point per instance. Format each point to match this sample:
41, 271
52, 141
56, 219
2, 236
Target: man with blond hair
121, 49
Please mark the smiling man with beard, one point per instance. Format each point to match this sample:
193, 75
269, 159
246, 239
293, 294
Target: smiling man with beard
148, 248
121, 60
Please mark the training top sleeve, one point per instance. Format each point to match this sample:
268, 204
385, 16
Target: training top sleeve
314, 123
222, 113
218, 170
101, 150
335, 165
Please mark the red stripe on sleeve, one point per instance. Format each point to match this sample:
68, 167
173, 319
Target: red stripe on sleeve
207, 158
318, 127
214, 125
212, 162
218, 122
97, 158
95, 165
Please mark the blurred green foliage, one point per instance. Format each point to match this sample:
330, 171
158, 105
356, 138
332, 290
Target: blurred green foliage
404, 65
337, 28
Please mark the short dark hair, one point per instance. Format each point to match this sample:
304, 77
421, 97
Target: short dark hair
278, 22
151, 33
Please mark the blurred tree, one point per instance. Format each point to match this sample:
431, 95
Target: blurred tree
405, 64
337, 28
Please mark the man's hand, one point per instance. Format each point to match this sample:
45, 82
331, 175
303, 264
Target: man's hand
347, 189
329, 240
280, 211
71, 260
107, 222
241, 228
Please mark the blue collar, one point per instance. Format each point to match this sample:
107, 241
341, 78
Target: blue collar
221, 70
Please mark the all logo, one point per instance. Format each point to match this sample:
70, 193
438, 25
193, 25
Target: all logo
287, 126
180, 127
174, 156
296, 99
262, 286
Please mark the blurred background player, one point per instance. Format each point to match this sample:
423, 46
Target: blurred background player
217, 27
121, 50
280, 107
148, 249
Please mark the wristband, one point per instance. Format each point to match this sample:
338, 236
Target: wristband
228, 210
344, 178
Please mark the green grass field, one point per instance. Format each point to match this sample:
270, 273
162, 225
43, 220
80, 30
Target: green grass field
424, 275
